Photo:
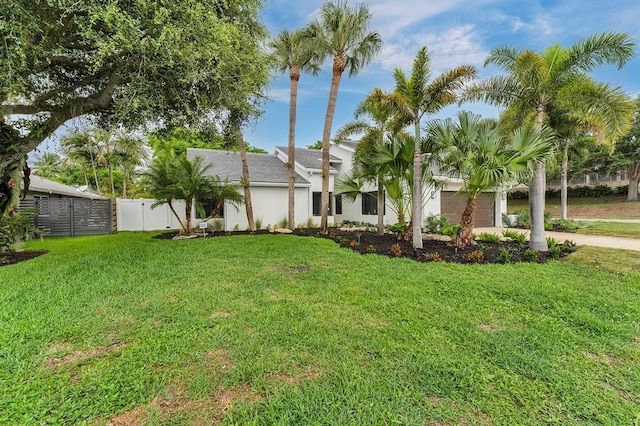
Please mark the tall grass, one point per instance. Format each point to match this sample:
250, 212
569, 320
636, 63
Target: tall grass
278, 329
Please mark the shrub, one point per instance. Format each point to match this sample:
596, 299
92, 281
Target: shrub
434, 223
236, 227
353, 244
283, 223
310, 222
218, 224
434, 257
451, 230
531, 255
554, 252
487, 237
524, 219
476, 256
517, 195
569, 246
396, 250
371, 249
565, 225
552, 242
506, 255
17, 228
258, 223
515, 237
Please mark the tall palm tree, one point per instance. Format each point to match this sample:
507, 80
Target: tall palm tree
417, 97
604, 114
293, 52
477, 152
383, 123
342, 33
535, 82
82, 148
47, 165
131, 153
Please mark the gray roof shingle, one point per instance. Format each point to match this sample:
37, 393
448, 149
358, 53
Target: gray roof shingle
265, 168
310, 158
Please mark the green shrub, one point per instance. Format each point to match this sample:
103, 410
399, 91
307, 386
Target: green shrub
552, 242
565, 225
476, 256
258, 223
506, 255
515, 237
398, 228
434, 223
371, 249
518, 195
531, 255
451, 230
17, 228
487, 237
554, 252
524, 219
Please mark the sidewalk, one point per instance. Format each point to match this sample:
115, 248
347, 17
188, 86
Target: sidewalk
580, 239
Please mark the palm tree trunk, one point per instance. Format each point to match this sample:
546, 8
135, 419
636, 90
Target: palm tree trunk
416, 216
188, 205
125, 176
380, 201
84, 173
175, 213
537, 238
113, 187
465, 233
246, 181
326, 136
293, 100
634, 178
563, 179
95, 173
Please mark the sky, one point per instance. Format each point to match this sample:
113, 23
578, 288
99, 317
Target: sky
455, 32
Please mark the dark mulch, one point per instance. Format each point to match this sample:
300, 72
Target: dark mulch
367, 242
13, 257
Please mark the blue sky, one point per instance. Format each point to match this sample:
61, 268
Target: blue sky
456, 32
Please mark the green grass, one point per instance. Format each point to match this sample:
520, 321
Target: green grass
279, 329
612, 229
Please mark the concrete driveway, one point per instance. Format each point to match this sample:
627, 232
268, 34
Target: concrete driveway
580, 239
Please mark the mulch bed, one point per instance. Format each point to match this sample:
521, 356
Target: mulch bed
13, 257
367, 242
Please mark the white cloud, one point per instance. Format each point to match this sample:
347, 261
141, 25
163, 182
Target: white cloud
456, 46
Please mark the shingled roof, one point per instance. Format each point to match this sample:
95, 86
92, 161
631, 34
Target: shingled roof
310, 158
263, 168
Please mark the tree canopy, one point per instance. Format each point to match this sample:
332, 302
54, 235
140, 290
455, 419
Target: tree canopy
169, 63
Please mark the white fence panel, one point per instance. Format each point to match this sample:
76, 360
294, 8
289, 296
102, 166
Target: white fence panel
137, 215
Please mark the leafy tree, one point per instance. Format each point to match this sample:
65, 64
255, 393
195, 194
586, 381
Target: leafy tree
129, 63
293, 53
416, 96
47, 165
626, 156
317, 145
535, 83
342, 33
475, 151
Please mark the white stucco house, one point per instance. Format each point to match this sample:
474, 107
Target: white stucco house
268, 177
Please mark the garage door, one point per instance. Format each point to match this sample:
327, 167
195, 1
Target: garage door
453, 204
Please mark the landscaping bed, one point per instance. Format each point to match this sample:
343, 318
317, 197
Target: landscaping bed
434, 250
13, 257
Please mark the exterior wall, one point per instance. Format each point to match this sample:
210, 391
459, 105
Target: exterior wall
270, 204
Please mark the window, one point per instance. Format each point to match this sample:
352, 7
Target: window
370, 203
339, 204
317, 203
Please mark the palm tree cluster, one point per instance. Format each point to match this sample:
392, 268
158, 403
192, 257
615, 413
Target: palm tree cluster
96, 153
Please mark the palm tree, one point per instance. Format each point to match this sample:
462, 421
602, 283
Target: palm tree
172, 178
47, 166
535, 83
293, 53
131, 153
475, 151
376, 106
341, 32
604, 114
417, 97
223, 192
82, 148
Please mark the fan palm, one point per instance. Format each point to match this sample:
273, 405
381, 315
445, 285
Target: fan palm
475, 151
47, 165
417, 97
342, 33
535, 83
293, 53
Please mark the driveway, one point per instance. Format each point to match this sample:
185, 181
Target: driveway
580, 239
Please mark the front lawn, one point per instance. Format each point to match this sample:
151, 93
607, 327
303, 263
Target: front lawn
613, 229
279, 329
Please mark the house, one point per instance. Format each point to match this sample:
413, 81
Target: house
41, 188
269, 189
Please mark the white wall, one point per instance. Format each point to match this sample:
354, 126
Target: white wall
137, 215
270, 204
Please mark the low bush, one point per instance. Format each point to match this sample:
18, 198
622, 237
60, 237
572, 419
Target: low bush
487, 237
515, 236
434, 223
451, 230
17, 228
